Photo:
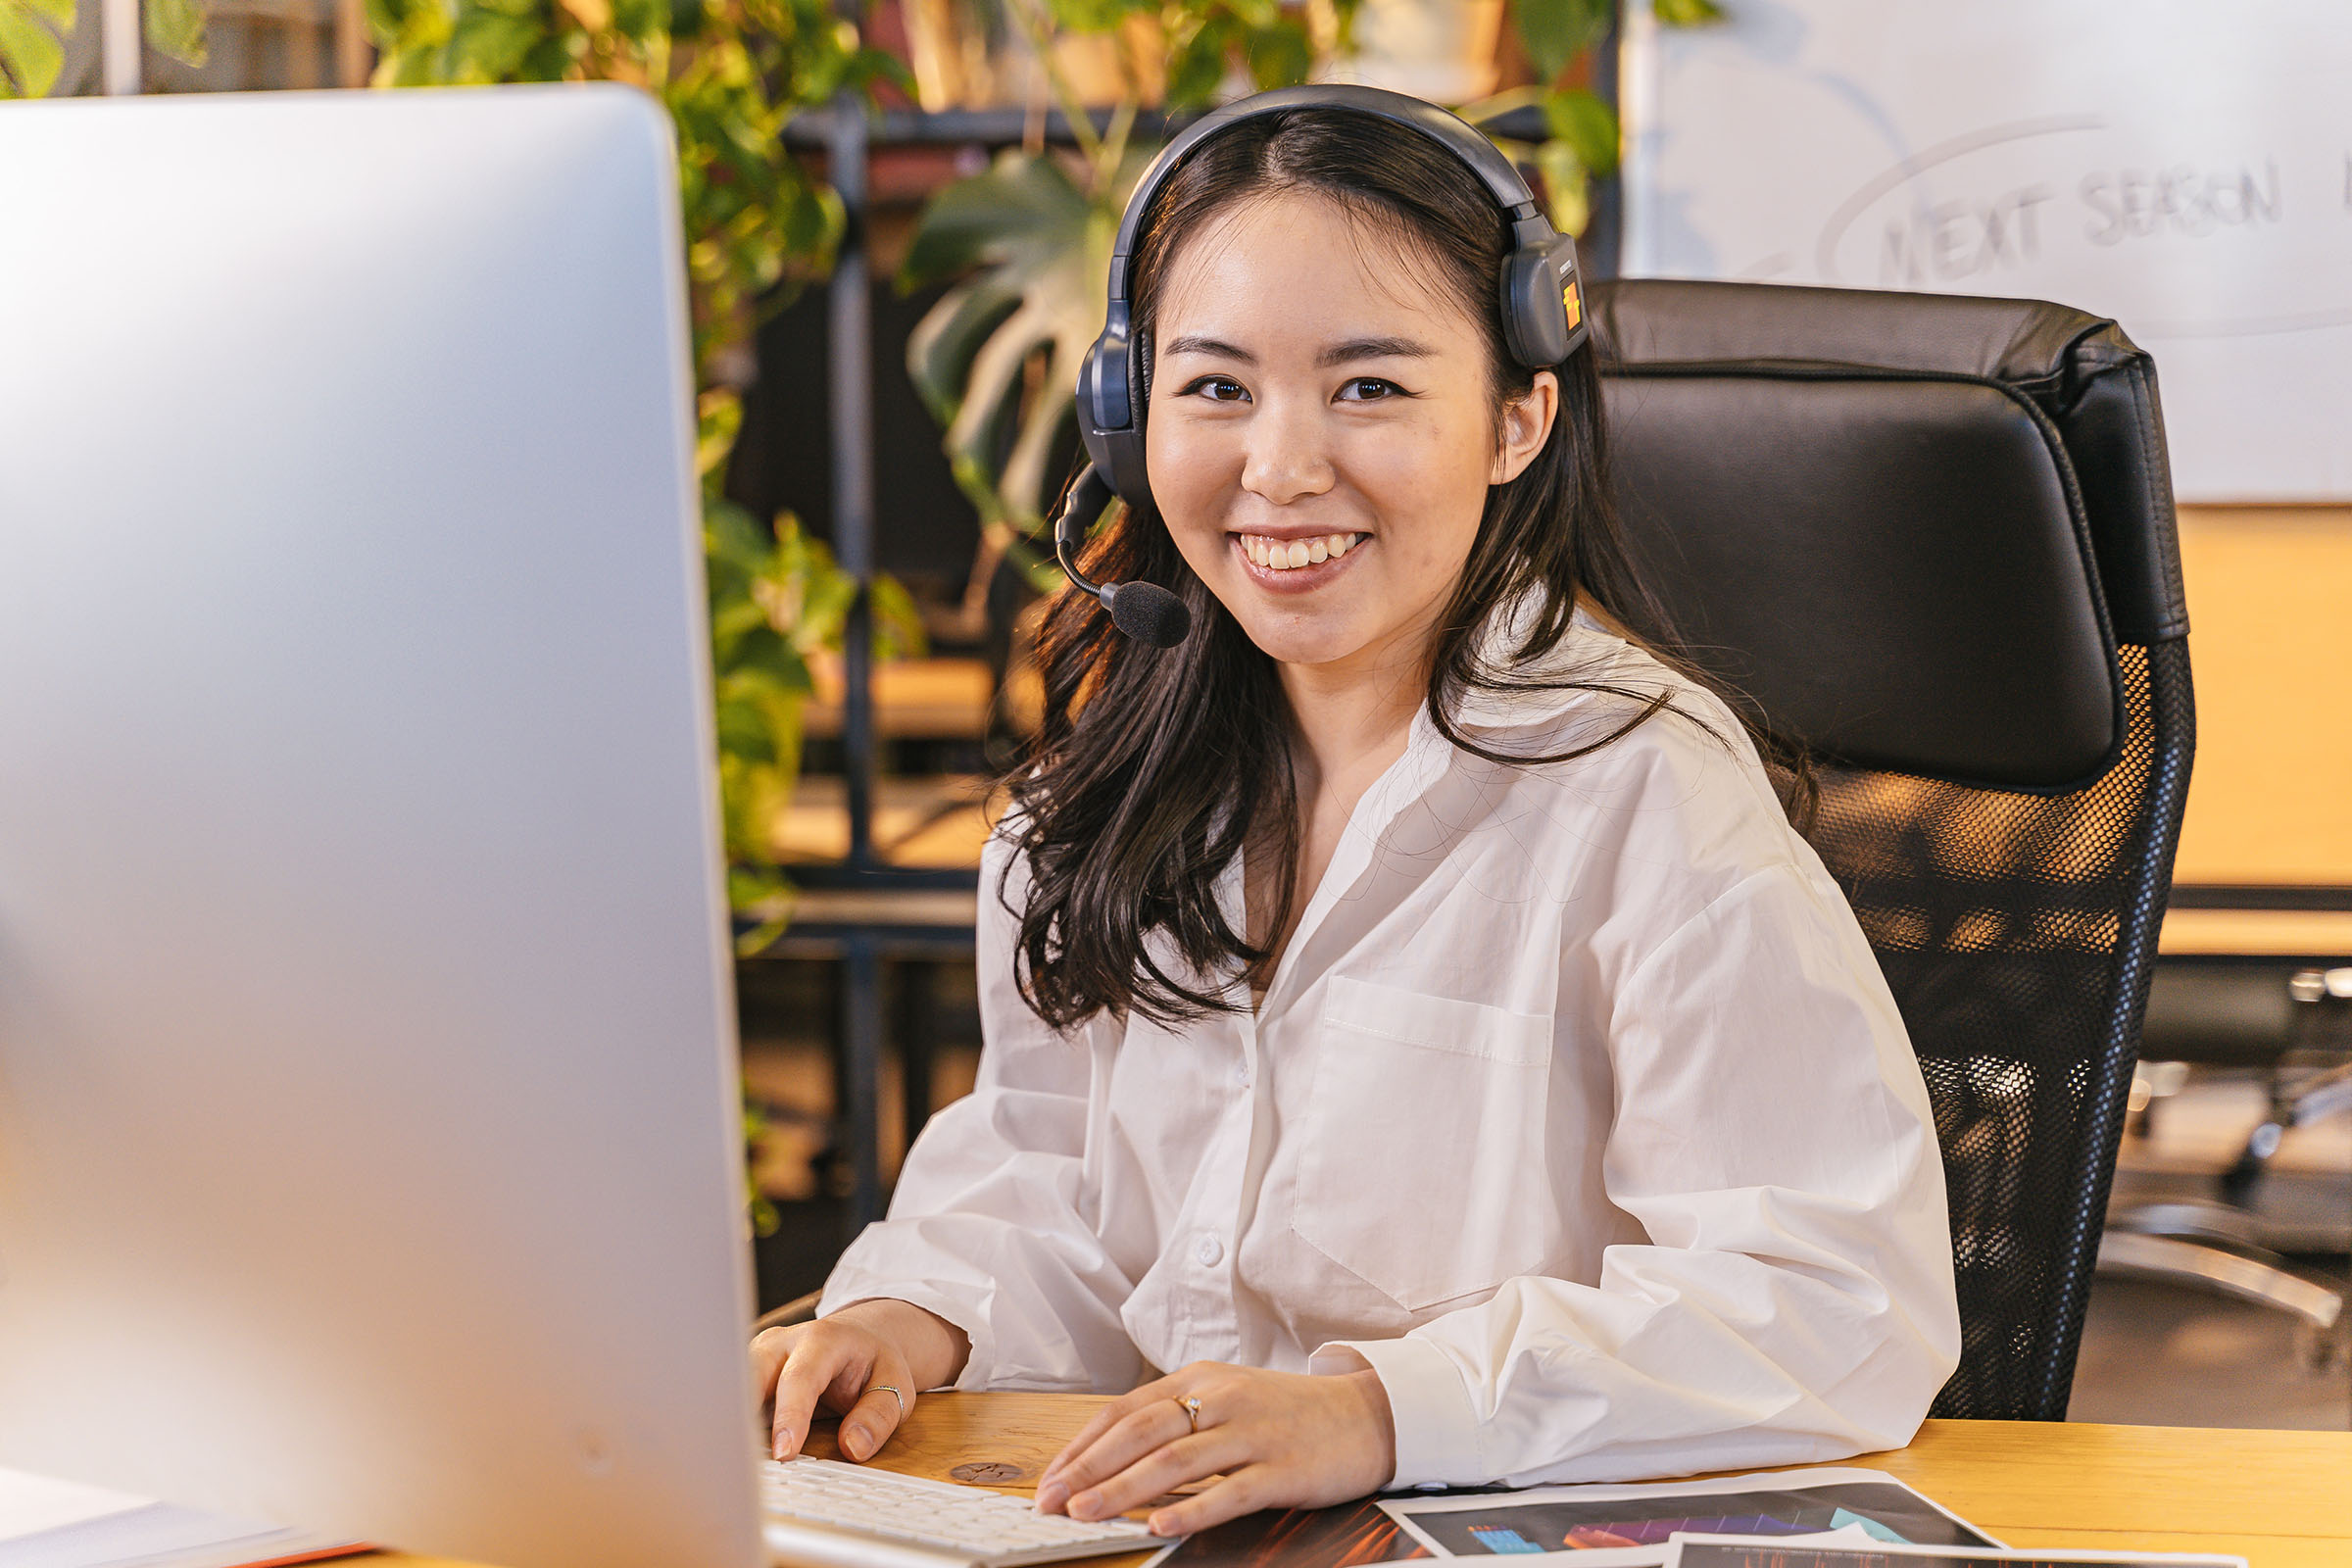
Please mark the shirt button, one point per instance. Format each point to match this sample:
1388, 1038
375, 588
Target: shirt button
1210, 1252
1241, 1076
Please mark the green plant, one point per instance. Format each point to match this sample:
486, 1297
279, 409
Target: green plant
776, 601
32, 34
731, 74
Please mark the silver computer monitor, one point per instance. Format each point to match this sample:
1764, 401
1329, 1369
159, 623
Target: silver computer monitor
370, 1147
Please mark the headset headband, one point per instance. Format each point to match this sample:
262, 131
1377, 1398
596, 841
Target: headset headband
1466, 142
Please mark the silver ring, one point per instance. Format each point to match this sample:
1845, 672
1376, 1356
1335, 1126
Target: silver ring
1190, 1404
892, 1391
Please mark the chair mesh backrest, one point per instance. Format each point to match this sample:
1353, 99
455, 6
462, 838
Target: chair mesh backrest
2014, 920
2000, 920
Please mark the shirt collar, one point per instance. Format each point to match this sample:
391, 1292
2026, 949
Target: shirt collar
1587, 651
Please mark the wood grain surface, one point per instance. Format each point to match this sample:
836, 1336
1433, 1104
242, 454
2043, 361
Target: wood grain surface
2280, 1499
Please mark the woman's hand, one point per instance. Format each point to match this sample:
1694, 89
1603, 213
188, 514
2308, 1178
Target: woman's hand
848, 1363
1281, 1440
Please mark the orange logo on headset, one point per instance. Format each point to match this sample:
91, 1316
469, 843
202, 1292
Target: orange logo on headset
1573, 304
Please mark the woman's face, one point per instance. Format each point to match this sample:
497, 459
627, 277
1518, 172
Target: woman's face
1323, 429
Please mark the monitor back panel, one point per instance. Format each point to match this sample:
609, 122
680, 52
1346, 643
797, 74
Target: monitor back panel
369, 1156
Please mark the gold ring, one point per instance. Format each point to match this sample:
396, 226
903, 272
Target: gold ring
1190, 1404
892, 1391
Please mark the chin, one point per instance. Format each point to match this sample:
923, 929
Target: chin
1301, 637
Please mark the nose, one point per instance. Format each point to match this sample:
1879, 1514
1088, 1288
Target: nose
1286, 460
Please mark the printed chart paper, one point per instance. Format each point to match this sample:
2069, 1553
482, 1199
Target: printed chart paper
1719, 1552
1633, 1525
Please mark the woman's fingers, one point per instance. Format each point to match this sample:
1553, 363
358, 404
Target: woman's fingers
1243, 1492
769, 1348
1129, 1435
1103, 1420
1155, 1426
878, 1409
1160, 1471
817, 1360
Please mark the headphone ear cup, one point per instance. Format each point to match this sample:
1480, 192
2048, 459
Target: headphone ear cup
1543, 302
1091, 413
1110, 417
1534, 319
1124, 450
1132, 484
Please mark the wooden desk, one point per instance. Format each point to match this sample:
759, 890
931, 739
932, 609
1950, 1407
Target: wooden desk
2280, 1499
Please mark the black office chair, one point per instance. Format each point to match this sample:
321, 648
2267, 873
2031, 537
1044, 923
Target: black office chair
1933, 538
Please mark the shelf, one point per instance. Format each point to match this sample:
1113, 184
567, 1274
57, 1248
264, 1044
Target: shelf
1009, 127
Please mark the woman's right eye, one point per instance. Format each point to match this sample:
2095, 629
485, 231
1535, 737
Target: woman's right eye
1218, 389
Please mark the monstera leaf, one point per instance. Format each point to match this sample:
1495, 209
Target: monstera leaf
996, 359
31, 46
175, 27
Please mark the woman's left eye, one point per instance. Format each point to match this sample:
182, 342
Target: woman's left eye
1369, 389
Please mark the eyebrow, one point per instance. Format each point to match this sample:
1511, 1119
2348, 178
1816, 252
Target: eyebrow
1346, 353
1194, 343
1374, 348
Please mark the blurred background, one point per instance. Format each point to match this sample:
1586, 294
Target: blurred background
896, 218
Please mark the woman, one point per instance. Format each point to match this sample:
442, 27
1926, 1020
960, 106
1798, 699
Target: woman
1410, 1013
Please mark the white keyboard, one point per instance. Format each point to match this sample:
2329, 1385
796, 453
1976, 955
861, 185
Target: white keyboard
834, 1515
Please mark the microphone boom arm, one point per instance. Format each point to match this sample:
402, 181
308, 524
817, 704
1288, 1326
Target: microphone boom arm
1144, 610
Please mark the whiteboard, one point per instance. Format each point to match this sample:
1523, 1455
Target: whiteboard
2181, 165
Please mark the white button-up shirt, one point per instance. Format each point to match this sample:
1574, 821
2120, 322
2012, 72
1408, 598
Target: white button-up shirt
1577, 1107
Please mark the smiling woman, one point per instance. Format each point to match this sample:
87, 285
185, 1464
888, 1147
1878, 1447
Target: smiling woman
1410, 1013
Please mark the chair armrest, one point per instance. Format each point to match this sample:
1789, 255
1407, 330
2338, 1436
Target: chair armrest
800, 1309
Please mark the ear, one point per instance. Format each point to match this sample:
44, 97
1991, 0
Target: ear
1526, 426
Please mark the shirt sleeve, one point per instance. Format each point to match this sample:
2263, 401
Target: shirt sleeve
1793, 1300
992, 1226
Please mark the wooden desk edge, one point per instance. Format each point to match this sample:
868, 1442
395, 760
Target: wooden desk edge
2280, 1498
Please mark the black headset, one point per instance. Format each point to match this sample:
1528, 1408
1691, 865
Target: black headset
1543, 324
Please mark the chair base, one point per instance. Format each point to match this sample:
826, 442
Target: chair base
2246, 1275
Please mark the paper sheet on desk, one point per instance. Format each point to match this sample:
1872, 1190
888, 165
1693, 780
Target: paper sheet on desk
63, 1524
1840, 1551
1631, 1526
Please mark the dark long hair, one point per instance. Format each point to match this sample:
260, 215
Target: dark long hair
1150, 767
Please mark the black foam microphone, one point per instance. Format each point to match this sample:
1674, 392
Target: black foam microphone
1144, 610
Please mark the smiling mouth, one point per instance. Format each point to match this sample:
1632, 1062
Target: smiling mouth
1291, 555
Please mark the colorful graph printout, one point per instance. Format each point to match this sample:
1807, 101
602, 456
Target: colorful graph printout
1705, 1552
1623, 1525
1889, 1513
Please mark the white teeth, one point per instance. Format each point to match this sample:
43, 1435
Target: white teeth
1287, 554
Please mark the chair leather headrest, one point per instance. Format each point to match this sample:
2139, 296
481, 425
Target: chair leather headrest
1911, 527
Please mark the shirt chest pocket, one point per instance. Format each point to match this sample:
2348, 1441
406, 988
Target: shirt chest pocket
1421, 1164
